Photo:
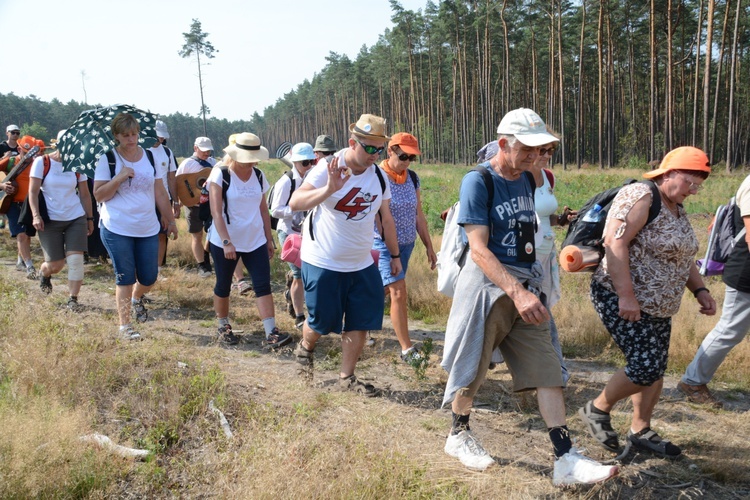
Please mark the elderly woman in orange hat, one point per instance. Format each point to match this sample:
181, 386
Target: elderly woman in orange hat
406, 208
637, 289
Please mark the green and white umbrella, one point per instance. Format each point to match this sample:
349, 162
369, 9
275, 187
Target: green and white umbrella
90, 136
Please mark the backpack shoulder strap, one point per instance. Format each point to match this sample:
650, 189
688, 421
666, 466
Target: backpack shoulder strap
112, 163
653, 212
47, 166
150, 156
488, 183
289, 174
226, 177
380, 178
414, 178
550, 177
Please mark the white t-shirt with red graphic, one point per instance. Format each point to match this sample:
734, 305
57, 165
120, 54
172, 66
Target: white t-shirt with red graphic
342, 224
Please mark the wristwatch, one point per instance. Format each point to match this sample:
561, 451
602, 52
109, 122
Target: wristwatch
226, 243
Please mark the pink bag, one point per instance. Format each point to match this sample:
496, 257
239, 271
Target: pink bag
290, 252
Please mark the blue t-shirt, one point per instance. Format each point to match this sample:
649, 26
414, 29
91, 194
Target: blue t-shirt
513, 220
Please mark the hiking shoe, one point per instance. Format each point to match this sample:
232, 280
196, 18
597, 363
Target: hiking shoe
574, 468
412, 355
20, 266
465, 447
72, 304
45, 283
140, 312
699, 394
244, 286
277, 339
204, 271
226, 336
130, 334
599, 426
352, 383
649, 440
30, 273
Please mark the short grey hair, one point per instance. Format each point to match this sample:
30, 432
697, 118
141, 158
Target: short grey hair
508, 137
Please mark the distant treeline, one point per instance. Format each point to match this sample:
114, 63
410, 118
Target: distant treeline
43, 120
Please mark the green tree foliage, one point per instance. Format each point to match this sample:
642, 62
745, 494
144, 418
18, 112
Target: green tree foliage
197, 44
448, 73
37, 131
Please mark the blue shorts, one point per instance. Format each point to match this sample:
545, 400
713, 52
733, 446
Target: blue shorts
14, 210
132, 258
296, 271
384, 264
335, 300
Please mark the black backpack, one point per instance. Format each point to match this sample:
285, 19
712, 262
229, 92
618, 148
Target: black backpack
590, 233
204, 209
274, 220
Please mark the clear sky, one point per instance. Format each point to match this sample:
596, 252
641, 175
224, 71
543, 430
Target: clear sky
128, 49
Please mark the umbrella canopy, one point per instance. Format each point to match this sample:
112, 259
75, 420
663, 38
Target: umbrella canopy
90, 136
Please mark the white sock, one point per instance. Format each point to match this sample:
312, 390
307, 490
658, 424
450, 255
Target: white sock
135, 301
268, 325
124, 327
223, 321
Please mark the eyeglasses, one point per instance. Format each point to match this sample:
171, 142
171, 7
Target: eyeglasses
15, 132
406, 157
371, 150
692, 185
551, 150
307, 163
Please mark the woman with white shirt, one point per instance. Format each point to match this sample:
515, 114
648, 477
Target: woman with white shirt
241, 229
128, 223
63, 236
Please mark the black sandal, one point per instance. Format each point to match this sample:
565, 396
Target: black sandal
599, 426
649, 440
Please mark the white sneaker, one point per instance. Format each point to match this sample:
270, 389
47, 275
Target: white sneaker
465, 447
574, 468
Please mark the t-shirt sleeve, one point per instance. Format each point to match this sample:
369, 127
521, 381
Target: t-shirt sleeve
473, 196
101, 171
318, 176
215, 177
37, 168
743, 197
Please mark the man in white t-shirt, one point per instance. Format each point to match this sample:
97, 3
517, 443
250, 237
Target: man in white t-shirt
343, 288
166, 166
201, 159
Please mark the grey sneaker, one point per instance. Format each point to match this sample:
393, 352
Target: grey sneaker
20, 266
413, 355
30, 273
45, 284
204, 271
140, 312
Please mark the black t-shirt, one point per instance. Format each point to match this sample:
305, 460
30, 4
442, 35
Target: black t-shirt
737, 268
4, 148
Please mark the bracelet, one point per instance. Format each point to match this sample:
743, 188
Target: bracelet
699, 290
395, 256
89, 218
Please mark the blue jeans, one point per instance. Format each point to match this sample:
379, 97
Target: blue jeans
133, 258
384, 263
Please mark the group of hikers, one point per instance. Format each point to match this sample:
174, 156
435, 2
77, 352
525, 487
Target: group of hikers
352, 226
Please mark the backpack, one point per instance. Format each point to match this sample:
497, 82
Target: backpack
274, 220
204, 209
721, 240
453, 249
587, 229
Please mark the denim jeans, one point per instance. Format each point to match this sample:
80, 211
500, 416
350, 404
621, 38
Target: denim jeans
133, 258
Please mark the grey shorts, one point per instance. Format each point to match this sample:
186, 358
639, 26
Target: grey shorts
526, 348
195, 224
60, 237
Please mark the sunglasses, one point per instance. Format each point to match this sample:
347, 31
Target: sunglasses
307, 163
692, 186
406, 157
371, 150
15, 132
550, 151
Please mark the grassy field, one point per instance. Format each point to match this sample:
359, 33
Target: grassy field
63, 376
